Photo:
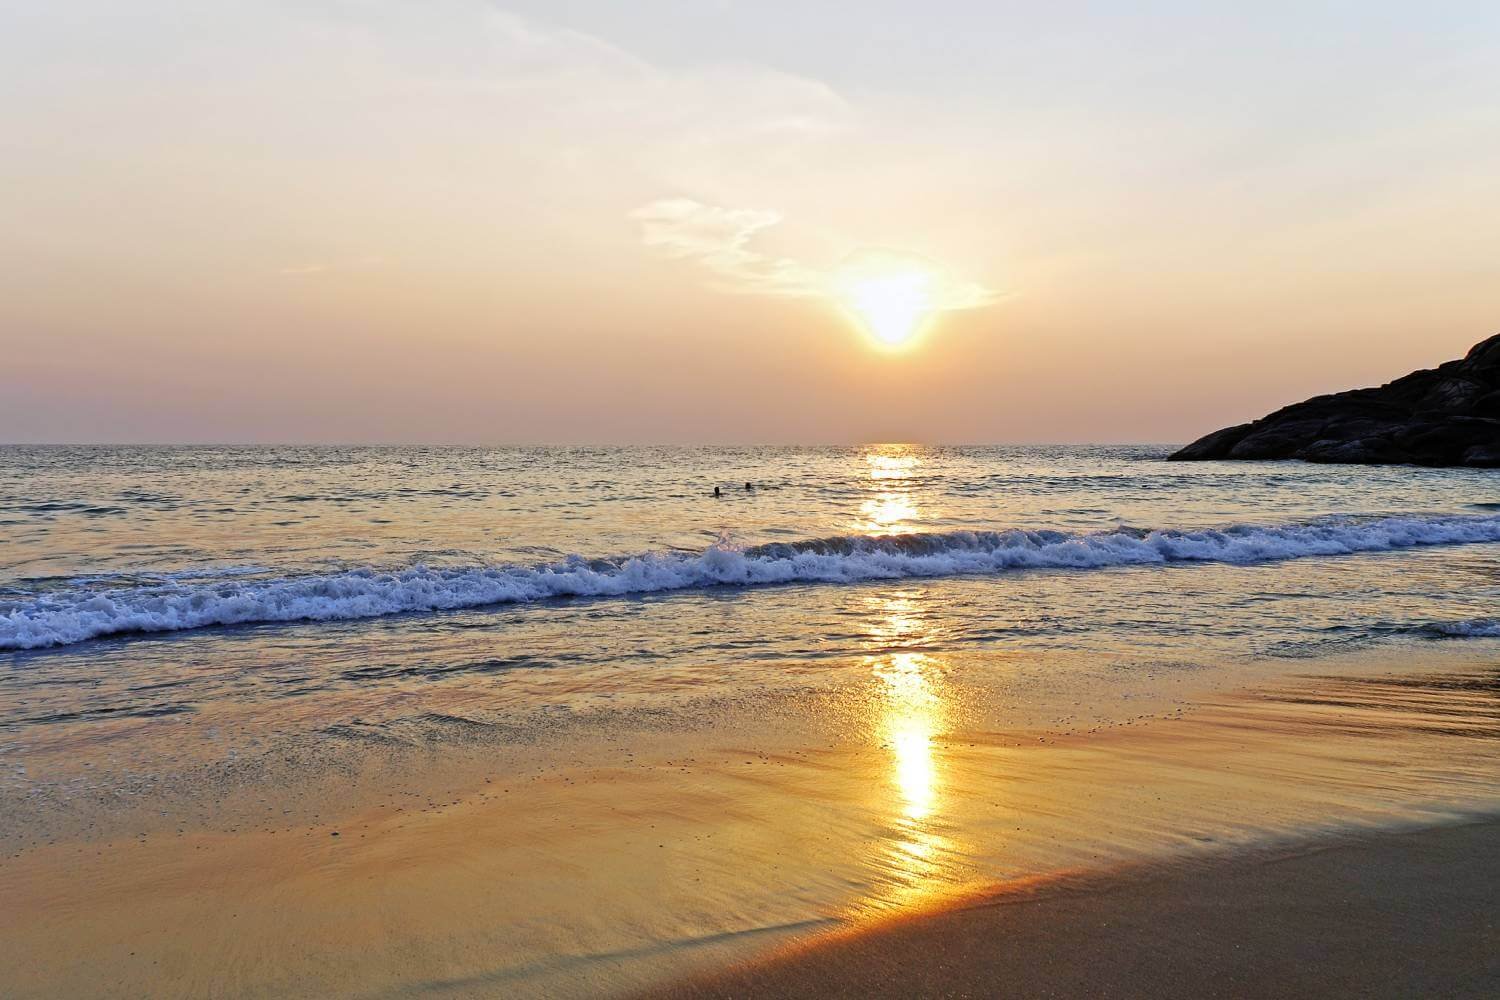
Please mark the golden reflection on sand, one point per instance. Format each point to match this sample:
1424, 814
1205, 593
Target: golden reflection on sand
909, 712
909, 722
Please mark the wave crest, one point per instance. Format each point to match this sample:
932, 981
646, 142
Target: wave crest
74, 615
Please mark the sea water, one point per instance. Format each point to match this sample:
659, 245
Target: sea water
876, 675
331, 583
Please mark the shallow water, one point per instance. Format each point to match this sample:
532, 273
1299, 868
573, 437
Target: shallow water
441, 855
140, 583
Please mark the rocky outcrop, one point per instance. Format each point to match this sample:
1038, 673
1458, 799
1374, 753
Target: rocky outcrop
1445, 416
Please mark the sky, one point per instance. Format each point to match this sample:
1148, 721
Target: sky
592, 221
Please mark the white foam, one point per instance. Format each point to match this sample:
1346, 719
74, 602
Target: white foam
74, 615
1476, 628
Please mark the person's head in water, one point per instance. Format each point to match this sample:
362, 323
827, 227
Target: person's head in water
748, 487
716, 492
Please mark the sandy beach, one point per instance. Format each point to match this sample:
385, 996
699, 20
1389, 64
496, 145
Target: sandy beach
1202, 841
1387, 915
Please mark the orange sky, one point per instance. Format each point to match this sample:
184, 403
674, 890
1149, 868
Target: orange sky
455, 221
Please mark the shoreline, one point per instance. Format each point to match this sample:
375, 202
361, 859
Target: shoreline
633, 861
1385, 914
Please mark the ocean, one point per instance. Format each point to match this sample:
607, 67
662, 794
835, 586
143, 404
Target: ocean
877, 674
330, 574
145, 546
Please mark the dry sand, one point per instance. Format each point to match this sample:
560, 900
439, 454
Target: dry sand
1395, 915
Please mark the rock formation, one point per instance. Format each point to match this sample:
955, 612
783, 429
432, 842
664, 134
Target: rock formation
1445, 416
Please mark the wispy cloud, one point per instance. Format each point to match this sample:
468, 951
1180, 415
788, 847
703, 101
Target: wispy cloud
720, 240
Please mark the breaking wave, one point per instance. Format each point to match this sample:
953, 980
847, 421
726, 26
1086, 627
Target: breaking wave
79, 613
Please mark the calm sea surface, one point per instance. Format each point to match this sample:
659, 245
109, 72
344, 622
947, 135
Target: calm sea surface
308, 587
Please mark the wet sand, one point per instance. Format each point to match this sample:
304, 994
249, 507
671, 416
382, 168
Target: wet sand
629, 859
1395, 915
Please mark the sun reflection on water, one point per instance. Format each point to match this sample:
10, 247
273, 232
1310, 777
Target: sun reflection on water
891, 508
887, 513
892, 461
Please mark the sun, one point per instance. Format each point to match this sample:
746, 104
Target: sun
892, 307
896, 295
892, 297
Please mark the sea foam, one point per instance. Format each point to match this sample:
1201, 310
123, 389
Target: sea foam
78, 613
1474, 628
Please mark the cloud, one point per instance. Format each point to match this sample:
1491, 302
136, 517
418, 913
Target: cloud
451, 136
720, 241
386, 127
681, 227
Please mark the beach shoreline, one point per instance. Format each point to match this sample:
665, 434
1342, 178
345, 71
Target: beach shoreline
1386, 914
642, 860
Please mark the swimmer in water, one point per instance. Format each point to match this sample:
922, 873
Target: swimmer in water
716, 492
748, 487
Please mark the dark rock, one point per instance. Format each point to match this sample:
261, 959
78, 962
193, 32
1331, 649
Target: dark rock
1488, 405
1446, 416
1214, 445
1484, 456
1360, 451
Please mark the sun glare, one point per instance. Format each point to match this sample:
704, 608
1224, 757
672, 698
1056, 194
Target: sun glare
892, 307
892, 297
896, 295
